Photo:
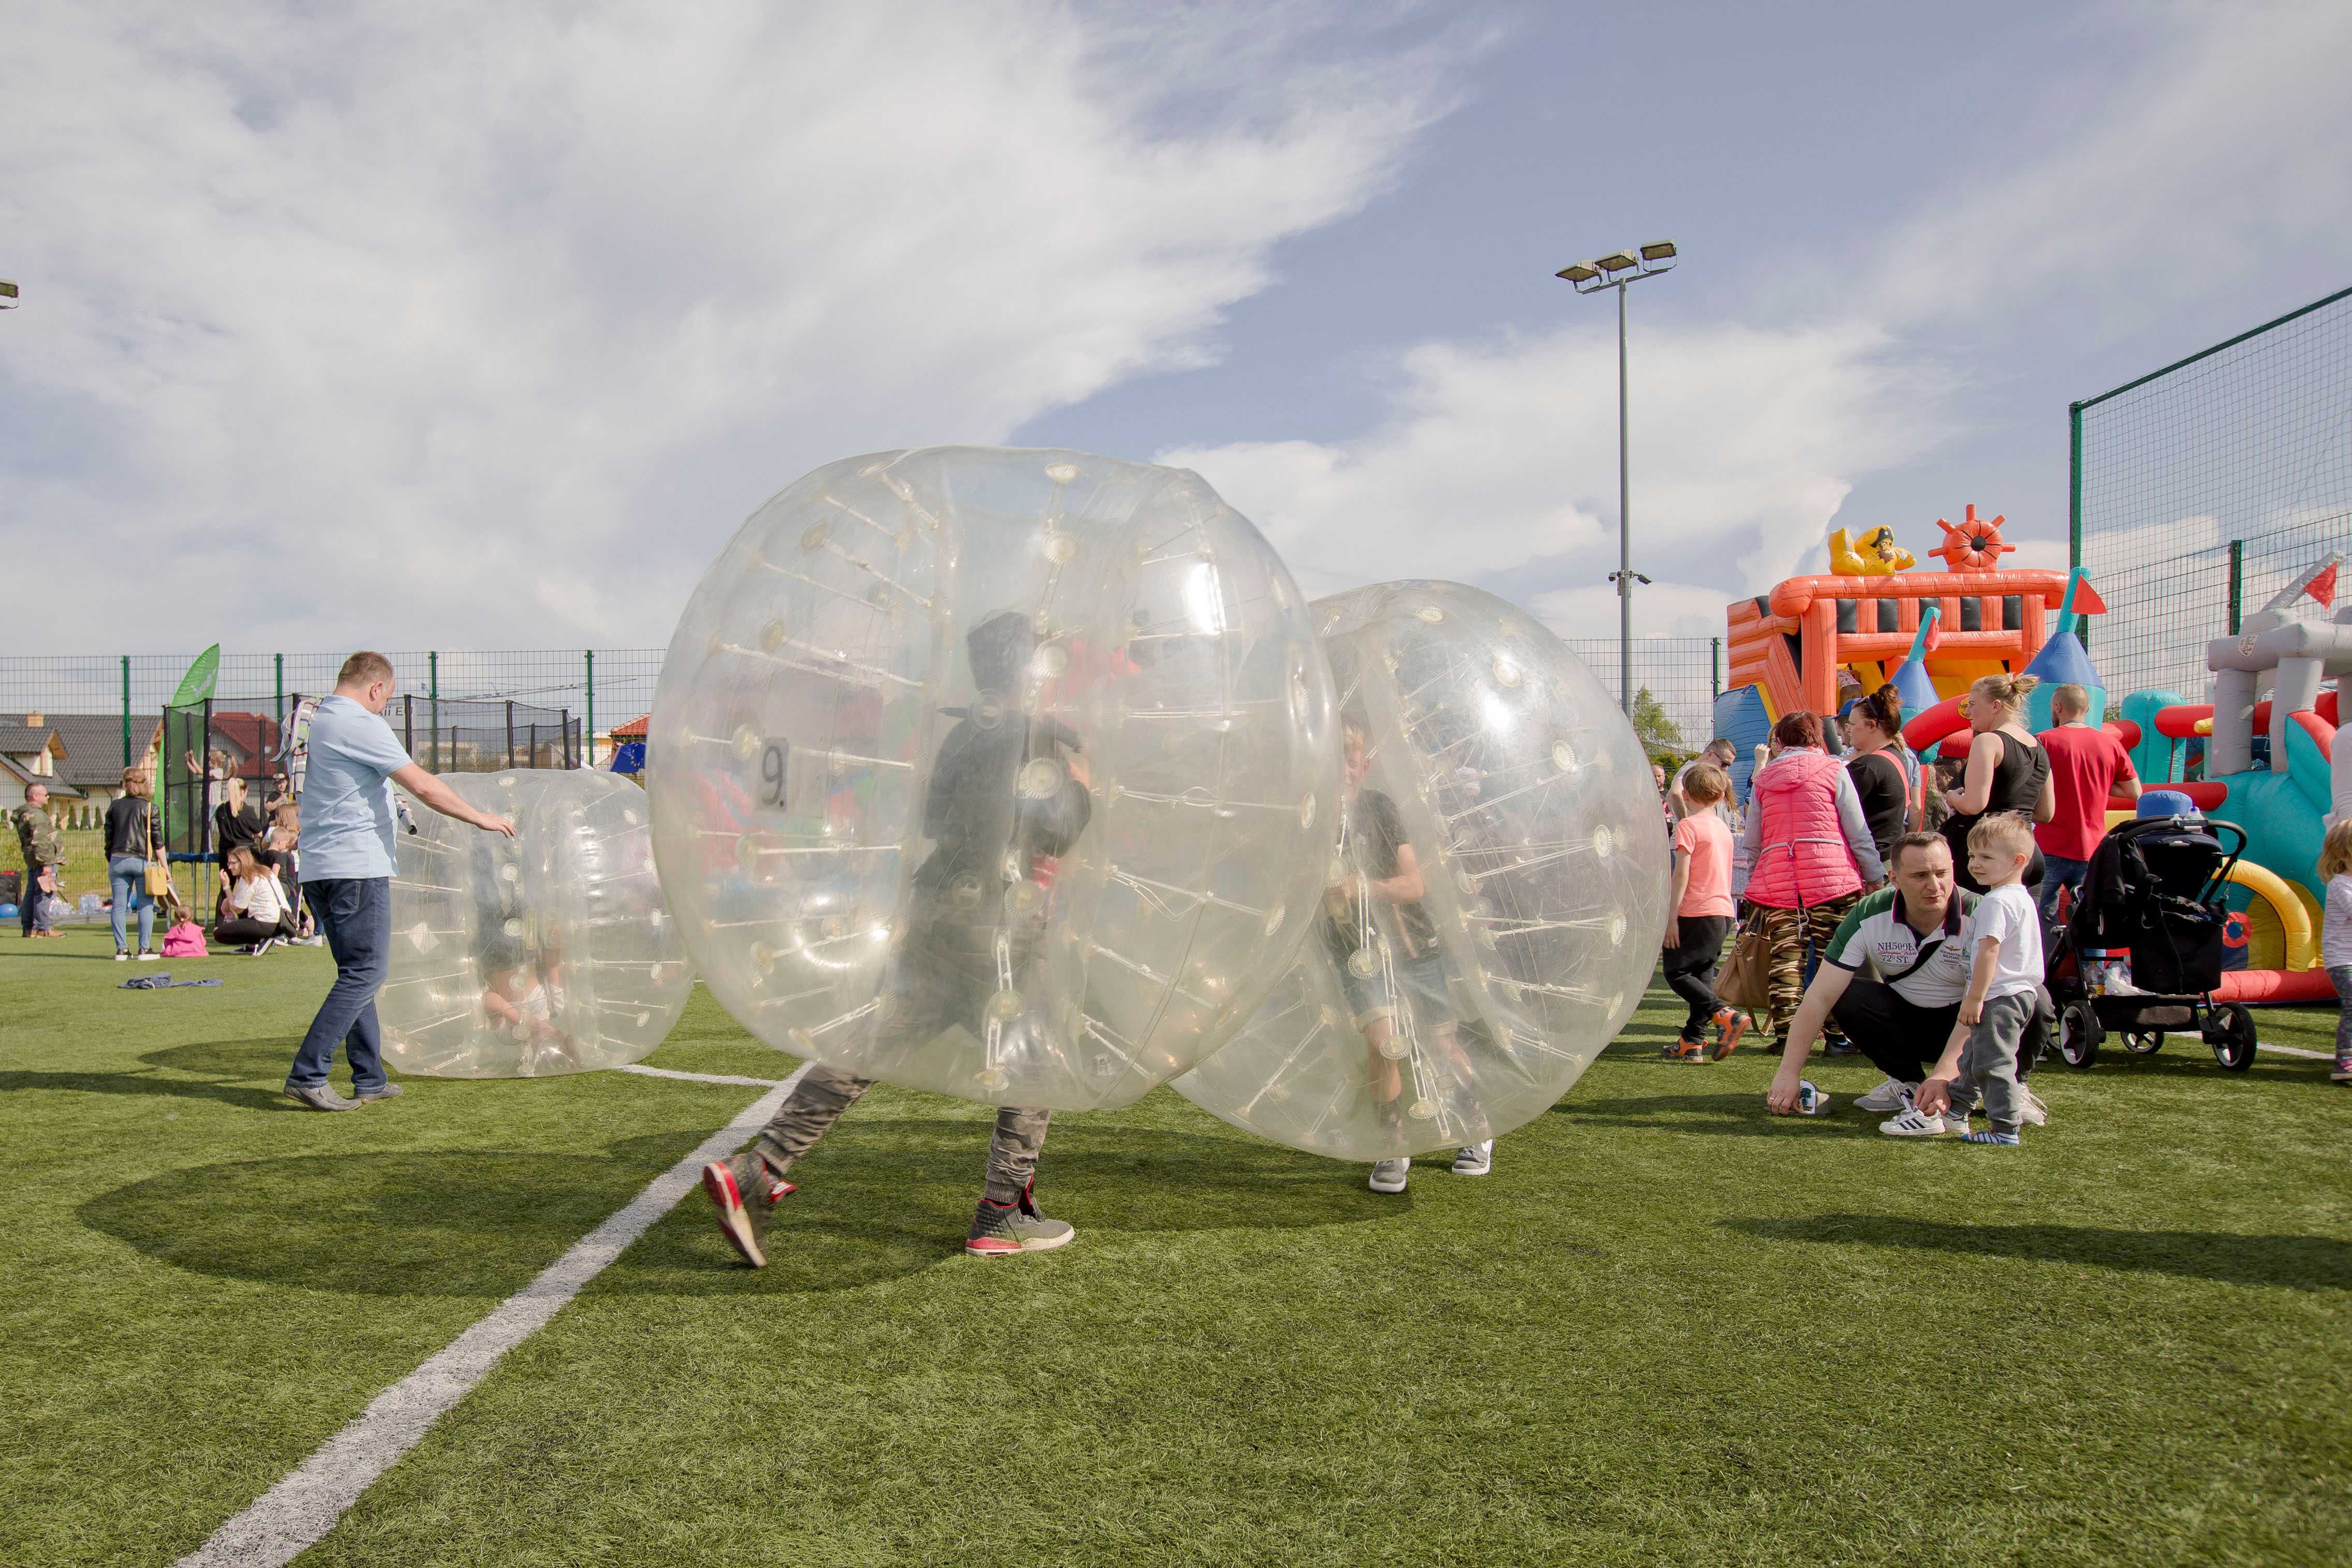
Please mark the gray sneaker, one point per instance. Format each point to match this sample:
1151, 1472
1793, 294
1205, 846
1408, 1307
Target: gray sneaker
381, 1091
999, 1230
319, 1097
1391, 1175
1474, 1159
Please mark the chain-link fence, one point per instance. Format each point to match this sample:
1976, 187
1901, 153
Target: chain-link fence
475, 710
2202, 489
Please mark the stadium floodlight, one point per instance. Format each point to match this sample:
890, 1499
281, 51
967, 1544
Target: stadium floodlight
8, 295
1616, 270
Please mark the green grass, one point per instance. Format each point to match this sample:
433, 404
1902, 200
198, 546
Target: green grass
1667, 1330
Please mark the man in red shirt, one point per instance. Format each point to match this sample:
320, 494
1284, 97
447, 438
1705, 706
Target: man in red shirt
2088, 768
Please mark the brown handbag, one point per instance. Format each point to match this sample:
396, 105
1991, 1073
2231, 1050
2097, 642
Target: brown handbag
159, 872
1745, 981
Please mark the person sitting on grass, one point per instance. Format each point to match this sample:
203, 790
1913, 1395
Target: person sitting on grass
2004, 937
1910, 935
1702, 916
2335, 936
260, 913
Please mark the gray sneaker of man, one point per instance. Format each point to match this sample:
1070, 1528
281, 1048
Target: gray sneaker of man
1000, 1230
319, 1097
381, 1091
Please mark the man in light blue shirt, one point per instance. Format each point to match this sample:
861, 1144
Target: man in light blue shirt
347, 863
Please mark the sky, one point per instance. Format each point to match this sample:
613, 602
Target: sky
485, 327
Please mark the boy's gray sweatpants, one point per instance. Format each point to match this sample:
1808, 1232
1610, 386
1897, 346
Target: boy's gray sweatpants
826, 1092
1989, 1062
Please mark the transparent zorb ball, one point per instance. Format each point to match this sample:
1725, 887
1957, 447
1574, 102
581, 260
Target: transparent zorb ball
548, 952
1000, 774
1494, 894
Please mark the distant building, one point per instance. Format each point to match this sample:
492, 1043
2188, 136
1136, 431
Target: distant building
78, 755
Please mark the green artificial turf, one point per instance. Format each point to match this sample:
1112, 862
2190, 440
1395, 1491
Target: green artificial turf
1667, 1328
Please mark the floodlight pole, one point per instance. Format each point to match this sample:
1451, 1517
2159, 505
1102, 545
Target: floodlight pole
1618, 271
1625, 527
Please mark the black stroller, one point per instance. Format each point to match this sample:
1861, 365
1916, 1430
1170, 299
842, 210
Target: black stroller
2155, 887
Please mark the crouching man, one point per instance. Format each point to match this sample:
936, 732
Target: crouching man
1910, 934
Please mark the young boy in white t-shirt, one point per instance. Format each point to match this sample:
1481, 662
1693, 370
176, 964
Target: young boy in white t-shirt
2004, 931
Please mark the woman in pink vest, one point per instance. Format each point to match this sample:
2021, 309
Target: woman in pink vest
1812, 855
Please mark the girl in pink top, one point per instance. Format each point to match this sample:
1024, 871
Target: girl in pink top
1702, 918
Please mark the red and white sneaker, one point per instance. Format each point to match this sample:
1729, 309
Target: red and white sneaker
745, 1221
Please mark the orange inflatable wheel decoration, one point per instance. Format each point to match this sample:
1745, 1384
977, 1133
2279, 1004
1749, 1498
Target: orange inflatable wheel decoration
1972, 544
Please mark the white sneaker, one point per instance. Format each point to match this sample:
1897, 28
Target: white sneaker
1915, 1124
1892, 1094
122, 955
1388, 1175
1474, 1159
2035, 1113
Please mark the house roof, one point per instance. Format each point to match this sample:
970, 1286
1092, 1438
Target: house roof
635, 729
253, 734
58, 788
92, 742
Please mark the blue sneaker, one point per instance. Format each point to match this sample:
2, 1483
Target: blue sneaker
1992, 1135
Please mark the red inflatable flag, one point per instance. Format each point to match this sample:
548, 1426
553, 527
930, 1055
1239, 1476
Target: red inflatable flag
2086, 598
2322, 587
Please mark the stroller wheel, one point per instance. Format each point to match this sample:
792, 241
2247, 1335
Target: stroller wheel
2143, 1042
2229, 1030
2078, 1035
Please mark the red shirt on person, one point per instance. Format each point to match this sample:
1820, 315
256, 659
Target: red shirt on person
2084, 765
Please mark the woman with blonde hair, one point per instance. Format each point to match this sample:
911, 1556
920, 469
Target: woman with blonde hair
127, 840
2008, 770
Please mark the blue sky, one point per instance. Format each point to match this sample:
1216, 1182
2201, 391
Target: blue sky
485, 329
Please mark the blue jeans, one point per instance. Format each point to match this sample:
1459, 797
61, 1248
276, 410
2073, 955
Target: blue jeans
356, 915
127, 875
2057, 872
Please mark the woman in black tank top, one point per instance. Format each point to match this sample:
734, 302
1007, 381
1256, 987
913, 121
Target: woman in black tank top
2008, 772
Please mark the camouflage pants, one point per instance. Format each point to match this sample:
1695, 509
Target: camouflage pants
825, 1092
1787, 931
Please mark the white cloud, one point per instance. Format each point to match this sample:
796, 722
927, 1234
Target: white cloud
1744, 443
2232, 141
488, 324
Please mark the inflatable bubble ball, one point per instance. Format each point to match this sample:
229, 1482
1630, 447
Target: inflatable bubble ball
1495, 897
548, 952
1000, 774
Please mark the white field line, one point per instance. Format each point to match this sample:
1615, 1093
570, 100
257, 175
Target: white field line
706, 1077
296, 1513
2264, 1050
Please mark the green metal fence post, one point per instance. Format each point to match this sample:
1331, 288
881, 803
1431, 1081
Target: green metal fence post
126, 709
1715, 666
2237, 582
432, 689
2074, 506
590, 749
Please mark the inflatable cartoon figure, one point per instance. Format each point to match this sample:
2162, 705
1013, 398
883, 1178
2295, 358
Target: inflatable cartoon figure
1874, 554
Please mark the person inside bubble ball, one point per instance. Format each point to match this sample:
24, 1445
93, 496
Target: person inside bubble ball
1391, 967
1008, 795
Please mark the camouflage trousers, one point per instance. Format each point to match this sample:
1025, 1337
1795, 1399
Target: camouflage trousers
825, 1092
1788, 931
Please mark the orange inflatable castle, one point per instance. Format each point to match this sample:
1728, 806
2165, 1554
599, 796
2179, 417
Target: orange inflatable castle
1788, 646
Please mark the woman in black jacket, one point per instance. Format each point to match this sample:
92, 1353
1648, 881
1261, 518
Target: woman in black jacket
128, 820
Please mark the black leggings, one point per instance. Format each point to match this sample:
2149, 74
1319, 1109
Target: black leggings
1690, 968
244, 933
